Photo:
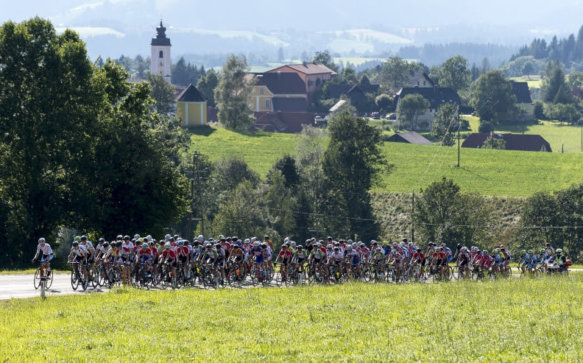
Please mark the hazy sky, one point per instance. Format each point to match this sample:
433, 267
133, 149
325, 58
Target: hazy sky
112, 27
123, 15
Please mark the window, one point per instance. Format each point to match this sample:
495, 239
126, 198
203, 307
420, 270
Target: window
267, 104
161, 54
261, 91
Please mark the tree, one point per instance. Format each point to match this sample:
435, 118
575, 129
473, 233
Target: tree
48, 113
493, 97
395, 73
443, 214
351, 165
384, 102
446, 122
349, 75
232, 95
206, 85
410, 108
162, 92
554, 79
288, 169
454, 73
326, 59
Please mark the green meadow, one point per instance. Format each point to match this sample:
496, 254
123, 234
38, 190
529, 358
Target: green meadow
510, 320
488, 172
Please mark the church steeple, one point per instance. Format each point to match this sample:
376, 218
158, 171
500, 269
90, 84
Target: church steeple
160, 36
161, 62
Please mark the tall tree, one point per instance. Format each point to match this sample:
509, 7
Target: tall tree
232, 95
326, 59
454, 73
493, 96
446, 122
410, 108
351, 164
162, 92
554, 79
48, 113
395, 73
206, 85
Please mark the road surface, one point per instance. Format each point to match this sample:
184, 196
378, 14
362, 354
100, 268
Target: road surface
21, 286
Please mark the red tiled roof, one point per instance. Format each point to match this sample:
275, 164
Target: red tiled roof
281, 83
307, 68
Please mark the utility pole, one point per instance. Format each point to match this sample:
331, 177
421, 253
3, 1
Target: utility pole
459, 124
196, 179
412, 220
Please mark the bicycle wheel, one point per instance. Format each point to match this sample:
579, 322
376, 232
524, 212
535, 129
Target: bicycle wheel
37, 279
49, 280
74, 280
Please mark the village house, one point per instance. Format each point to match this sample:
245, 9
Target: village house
512, 141
273, 92
314, 75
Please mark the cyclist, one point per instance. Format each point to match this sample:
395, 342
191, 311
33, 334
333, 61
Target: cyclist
336, 259
463, 260
299, 259
79, 255
560, 261
353, 259
45, 252
284, 257
169, 257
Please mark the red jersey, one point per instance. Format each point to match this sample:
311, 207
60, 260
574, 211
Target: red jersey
439, 255
145, 252
285, 254
419, 256
169, 254
183, 251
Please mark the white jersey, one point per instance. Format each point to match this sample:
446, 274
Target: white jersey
78, 252
46, 250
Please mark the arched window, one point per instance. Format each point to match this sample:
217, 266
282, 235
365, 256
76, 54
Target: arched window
161, 54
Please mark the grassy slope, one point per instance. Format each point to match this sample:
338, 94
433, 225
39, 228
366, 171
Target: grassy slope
489, 172
453, 322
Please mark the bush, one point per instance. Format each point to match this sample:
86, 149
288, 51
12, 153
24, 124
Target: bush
539, 111
562, 112
485, 126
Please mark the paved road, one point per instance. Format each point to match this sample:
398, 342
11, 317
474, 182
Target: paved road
21, 286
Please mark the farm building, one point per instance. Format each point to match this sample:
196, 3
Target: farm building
513, 141
436, 96
410, 137
191, 107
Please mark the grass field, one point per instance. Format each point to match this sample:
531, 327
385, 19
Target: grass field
490, 321
489, 172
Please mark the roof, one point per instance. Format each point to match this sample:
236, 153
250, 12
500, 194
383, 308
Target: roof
415, 78
410, 137
281, 83
337, 90
282, 121
160, 36
513, 141
190, 94
290, 104
307, 68
336, 106
435, 95
521, 91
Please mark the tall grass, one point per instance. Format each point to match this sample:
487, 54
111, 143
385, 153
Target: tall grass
517, 319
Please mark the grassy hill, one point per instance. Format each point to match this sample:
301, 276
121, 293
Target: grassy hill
503, 320
488, 172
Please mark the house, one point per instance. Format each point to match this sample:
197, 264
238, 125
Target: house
410, 137
419, 79
292, 122
513, 141
273, 92
191, 108
524, 105
436, 96
314, 75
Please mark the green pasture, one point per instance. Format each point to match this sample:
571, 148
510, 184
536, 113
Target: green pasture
511, 320
488, 172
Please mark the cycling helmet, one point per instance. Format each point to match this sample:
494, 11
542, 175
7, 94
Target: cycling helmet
75, 244
284, 245
126, 238
209, 246
530, 251
101, 240
247, 240
350, 241
83, 238
41, 240
167, 237
300, 247
136, 236
523, 252
336, 248
349, 247
559, 250
542, 250
256, 244
119, 237
153, 244
459, 245
285, 240
379, 248
77, 238
180, 243
293, 243
195, 243
105, 244
318, 244
373, 243
221, 237
266, 237
329, 246
200, 238
329, 238
118, 244
167, 245
485, 252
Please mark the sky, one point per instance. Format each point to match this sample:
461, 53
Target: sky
493, 21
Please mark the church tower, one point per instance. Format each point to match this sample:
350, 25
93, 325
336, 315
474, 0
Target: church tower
160, 62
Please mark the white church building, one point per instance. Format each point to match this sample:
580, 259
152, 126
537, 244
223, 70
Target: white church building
160, 61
